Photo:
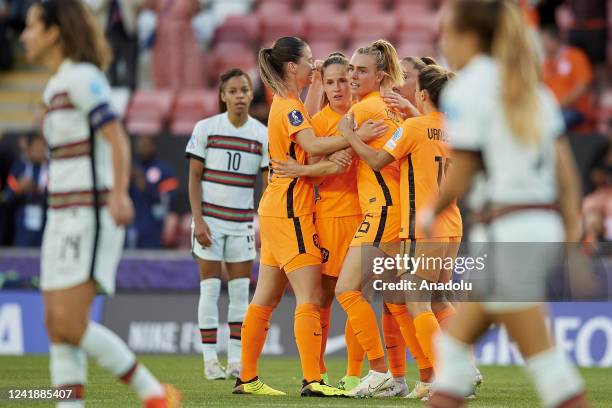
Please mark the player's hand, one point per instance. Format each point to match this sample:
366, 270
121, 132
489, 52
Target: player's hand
287, 169
202, 233
342, 158
396, 101
26, 185
120, 207
318, 69
425, 218
371, 130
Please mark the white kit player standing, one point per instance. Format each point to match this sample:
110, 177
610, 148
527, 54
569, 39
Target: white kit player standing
88, 202
226, 152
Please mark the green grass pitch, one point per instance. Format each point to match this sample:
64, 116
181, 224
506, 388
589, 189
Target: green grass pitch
505, 387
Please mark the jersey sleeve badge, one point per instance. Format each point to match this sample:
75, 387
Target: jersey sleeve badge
296, 118
392, 143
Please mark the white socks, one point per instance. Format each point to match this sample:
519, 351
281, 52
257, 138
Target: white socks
238, 290
113, 355
555, 378
68, 367
455, 374
208, 316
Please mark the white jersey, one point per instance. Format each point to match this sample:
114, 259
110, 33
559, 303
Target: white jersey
233, 157
515, 174
77, 101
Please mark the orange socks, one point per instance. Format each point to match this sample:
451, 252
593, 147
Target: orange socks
354, 351
395, 345
254, 331
427, 327
308, 334
325, 313
363, 321
444, 316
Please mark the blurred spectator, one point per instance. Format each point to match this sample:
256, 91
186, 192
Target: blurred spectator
118, 18
26, 190
590, 28
152, 188
547, 11
568, 73
177, 59
597, 215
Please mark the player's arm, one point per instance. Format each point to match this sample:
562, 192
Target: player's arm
377, 159
119, 203
316, 168
466, 164
569, 190
201, 230
322, 146
264, 178
314, 97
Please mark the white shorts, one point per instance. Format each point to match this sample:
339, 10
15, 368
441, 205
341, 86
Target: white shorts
72, 255
225, 247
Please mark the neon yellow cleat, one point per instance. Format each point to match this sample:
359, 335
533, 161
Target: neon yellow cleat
325, 379
316, 389
347, 383
255, 387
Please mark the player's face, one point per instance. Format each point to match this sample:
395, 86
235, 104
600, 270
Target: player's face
37, 150
336, 85
363, 75
410, 78
35, 38
237, 95
458, 47
304, 69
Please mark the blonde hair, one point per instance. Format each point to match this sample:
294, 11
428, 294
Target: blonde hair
502, 34
386, 60
272, 62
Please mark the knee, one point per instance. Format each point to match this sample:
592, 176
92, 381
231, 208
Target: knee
64, 326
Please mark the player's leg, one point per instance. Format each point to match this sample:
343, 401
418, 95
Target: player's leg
67, 318
328, 286
354, 359
396, 353
239, 253
208, 309
557, 381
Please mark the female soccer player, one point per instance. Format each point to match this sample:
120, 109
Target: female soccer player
373, 70
420, 144
289, 244
88, 201
511, 130
401, 98
225, 154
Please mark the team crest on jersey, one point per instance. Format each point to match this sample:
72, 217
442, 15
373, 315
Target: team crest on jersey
296, 118
391, 143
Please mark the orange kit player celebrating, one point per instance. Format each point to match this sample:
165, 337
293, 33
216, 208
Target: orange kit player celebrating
337, 210
289, 243
372, 68
421, 146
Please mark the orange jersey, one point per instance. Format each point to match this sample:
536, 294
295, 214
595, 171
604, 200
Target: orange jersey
377, 189
286, 197
422, 147
338, 193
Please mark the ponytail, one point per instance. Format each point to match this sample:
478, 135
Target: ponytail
433, 78
272, 62
519, 74
386, 60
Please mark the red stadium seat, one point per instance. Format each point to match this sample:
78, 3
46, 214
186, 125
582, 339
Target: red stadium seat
326, 27
364, 9
404, 8
277, 9
321, 49
245, 60
192, 106
357, 3
238, 28
319, 9
273, 27
415, 49
148, 111
366, 28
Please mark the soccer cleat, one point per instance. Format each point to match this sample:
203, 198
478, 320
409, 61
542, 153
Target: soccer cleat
399, 389
316, 389
233, 370
325, 379
420, 391
348, 382
255, 387
171, 399
371, 384
478, 379
213, 370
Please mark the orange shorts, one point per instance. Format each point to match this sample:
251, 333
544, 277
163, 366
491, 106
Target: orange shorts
289, 243
335, 235
431, 249
378, 228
